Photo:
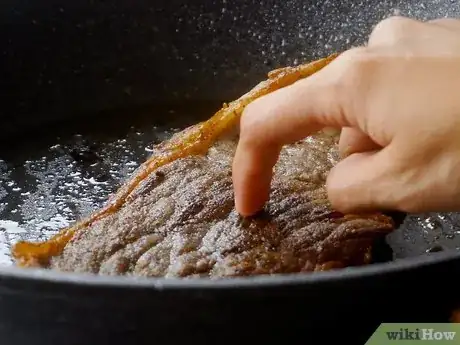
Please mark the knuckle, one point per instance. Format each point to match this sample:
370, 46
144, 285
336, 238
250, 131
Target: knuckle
250, 122
352, 55
353, 73
390, 30
247, 118
353, 61
260, 121
355, 69
393, 24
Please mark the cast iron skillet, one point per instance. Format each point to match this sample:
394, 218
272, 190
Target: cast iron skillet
108, 70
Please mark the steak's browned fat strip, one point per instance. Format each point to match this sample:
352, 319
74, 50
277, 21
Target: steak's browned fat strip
175, 216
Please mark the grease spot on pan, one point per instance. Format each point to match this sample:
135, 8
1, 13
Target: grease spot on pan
47, 185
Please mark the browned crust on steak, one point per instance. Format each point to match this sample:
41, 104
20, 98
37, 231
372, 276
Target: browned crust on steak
181, 222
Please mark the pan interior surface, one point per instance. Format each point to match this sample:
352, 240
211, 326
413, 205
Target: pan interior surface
65, 60
69, 170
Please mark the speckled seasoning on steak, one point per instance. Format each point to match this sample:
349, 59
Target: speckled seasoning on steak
182, 222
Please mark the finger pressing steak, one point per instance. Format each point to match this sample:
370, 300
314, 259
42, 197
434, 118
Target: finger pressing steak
181, 222
175, 217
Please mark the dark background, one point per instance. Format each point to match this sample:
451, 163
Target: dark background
61, 58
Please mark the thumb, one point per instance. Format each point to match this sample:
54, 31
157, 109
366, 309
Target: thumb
364, 182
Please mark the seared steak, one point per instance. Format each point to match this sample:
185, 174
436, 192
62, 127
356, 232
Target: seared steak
182, 222
176, 217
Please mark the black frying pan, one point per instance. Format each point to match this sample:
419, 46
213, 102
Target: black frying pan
88, 86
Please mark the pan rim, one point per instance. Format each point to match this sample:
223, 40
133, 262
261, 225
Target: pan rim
334, 276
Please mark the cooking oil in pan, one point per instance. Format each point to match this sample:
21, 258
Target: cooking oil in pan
61, 177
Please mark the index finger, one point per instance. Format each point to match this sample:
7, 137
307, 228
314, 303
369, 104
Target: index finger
282, 117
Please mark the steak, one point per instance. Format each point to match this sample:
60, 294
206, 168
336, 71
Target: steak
181, 222
175, 217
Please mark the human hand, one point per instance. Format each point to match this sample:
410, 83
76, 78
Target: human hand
397, 101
